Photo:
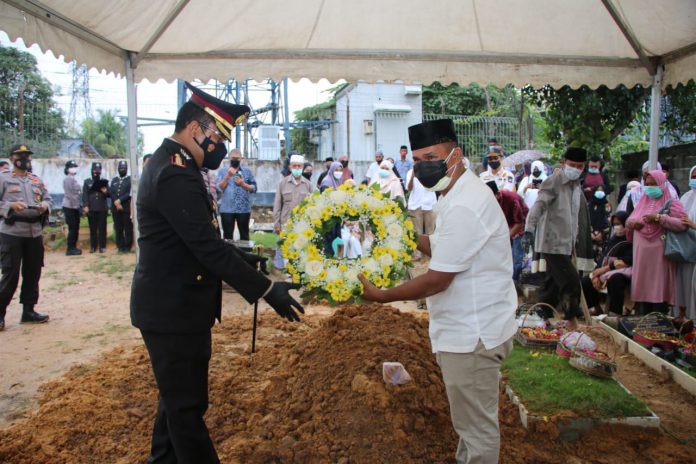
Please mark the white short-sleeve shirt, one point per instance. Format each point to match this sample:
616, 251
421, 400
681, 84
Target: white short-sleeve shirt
472, 239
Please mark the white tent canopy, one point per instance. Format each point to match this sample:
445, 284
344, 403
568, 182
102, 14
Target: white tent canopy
536, 42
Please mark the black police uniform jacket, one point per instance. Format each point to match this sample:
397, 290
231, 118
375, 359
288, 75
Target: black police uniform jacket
93, 197
120, 189
177, 284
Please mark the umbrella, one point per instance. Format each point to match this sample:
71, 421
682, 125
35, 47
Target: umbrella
521, 156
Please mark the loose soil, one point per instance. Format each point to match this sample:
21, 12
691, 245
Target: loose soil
313, 392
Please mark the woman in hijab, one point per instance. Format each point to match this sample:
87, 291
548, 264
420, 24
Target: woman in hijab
614, 272
389, 183
635, 194
307, 171
529, 186
653, 274
334, 178
347, 173
686, 272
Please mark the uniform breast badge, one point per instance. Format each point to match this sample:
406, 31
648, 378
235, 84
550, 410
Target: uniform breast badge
178, 160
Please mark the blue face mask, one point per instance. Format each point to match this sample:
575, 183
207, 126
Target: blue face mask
296, 172
692, 183
593, 170
652, 191
383, 173
599, 194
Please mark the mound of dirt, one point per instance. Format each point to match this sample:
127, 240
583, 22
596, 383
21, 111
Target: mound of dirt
313, 393
328, 402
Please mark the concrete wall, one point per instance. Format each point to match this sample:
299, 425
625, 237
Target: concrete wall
680, 159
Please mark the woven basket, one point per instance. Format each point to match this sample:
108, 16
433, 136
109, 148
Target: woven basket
530, 342
591, 365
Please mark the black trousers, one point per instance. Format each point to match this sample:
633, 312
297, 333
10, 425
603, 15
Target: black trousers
180, 365
616, 287
562, 285
228, 220
72, 219
97, 229
20, 252
123, 229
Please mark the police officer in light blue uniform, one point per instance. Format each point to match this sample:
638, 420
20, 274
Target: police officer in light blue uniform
24, 208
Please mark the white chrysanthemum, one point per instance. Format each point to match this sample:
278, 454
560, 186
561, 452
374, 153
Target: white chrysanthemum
371, 265
313, 213
314, 268
390, 219
301, 226
394, 230
333, 273
338, 197
351, 274
358, 199
393, 242
386, 260
300, 242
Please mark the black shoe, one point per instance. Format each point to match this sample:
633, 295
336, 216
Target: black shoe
92, 250
73, 252
101, 250
32, 317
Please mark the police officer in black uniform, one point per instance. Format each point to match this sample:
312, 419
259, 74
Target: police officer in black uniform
177, 286
95, 192
120, 192
24, 207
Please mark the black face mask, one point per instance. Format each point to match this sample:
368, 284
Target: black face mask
213, 153
344, 164
307, 175
23, 164
96, 175
536, 173
429, 173
235, 163
122, 172
536, 181
494, 164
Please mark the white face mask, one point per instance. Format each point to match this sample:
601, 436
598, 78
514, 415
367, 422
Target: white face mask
572, 173
443, 183
619, 230
337, 175
72, 171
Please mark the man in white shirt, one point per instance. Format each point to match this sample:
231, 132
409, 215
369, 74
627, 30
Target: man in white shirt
468, 285
503, 178
372, 174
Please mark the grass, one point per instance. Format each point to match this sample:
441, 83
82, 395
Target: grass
265, 239
548, 385
112, 266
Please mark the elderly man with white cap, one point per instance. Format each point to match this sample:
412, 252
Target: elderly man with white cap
291, 191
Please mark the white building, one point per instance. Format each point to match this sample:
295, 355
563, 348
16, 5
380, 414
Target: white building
375, 117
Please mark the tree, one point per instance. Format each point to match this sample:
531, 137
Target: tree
585, 117
472, 100
107, 134
679, 120
23, 88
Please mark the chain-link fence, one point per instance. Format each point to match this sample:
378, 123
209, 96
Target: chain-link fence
474, 132
37, 124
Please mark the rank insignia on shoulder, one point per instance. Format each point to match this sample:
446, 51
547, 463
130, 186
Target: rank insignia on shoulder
178, 160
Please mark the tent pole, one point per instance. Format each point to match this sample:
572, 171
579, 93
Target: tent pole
655, 99
286, 122
133, 145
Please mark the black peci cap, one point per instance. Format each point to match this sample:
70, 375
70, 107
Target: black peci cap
431, 133
579, 155
96, 166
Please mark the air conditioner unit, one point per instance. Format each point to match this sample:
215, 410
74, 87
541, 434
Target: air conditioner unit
368, 126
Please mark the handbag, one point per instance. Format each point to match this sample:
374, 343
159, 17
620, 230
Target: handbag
679, 246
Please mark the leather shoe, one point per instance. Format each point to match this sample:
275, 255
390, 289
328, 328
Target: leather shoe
92, 250
73, 252
32, 317
101, 250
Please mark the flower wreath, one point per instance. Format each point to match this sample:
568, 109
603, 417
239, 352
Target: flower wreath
303, 242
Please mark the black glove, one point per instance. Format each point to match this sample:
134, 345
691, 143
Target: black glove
281, 301
255, 261
528, 241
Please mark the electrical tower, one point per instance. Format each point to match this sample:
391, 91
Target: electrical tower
79, 95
